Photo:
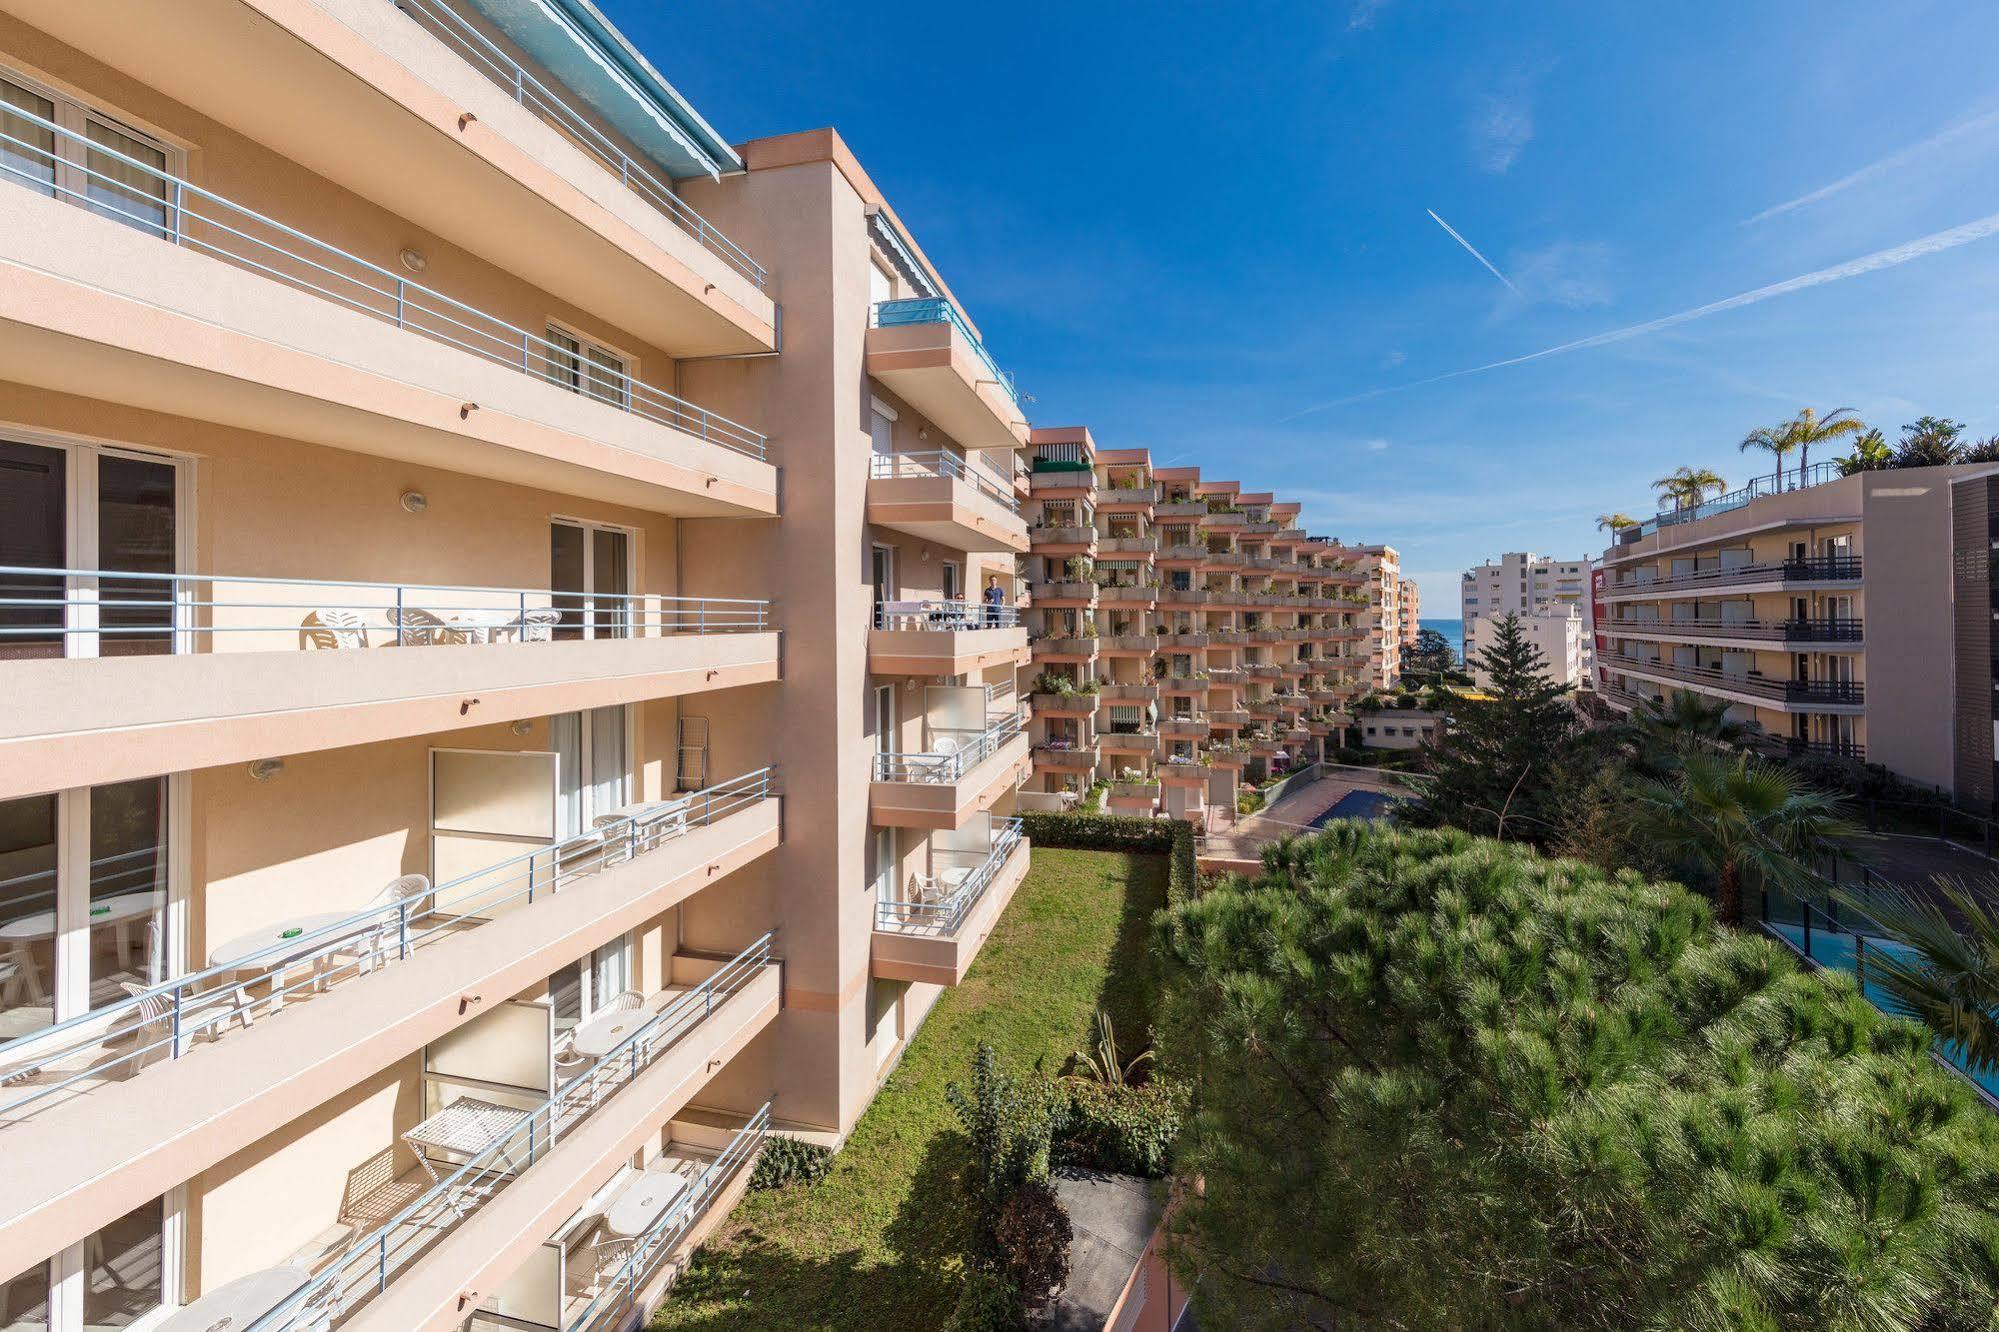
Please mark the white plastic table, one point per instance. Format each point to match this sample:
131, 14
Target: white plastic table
237, 952
604, 1033
484, 626
118, 912
641, 1202
238, 1303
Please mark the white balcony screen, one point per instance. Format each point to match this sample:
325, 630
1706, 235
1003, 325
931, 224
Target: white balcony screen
976, 836
955, 710
487, 807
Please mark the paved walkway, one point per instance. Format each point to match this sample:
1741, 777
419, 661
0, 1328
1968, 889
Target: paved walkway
1294, 813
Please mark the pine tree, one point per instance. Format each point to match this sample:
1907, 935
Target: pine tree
1505, 756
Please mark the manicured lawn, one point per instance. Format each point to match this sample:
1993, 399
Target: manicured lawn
875, 1244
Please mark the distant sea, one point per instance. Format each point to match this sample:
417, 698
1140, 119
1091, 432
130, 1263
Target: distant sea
1454, 630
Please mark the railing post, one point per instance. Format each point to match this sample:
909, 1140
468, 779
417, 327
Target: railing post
174, 1048
402, 931
402, 303
399, 615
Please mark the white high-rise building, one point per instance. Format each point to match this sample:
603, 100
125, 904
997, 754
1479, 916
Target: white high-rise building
1524, 584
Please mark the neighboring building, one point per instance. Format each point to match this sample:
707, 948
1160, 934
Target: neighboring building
1382, 570
1118, 1274
1850, 617
1558, 633
520, 665
1183, 631
1521, 583
1412, 613
1401, 728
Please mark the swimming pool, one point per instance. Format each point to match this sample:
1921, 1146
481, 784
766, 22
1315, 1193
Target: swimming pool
1368, 805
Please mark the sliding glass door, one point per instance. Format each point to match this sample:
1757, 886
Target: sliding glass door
590, 574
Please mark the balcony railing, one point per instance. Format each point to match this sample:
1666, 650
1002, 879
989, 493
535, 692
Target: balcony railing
1757, 686
946, 916
372, 1263
111, 612
653, 1247
899, 466
184, 214
445, 24
945, 616
1792, 745
1814, 569
165, 1021
953, 754
1817, 474
937, 310
1838, 629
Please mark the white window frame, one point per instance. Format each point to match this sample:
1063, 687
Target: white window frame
589, 528
572, 378
75, 114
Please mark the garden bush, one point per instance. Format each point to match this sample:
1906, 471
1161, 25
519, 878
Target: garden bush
1122, 1130
1033, 1235
789, 1161
987, 1302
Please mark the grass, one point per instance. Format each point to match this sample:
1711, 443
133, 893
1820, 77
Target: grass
876, 1244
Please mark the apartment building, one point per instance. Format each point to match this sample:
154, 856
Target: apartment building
1184, 632
1520, 583
1412, 612
1847, 616
503, 712
1381, 574
1557, 633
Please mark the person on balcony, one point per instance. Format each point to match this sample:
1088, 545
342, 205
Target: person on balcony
995, 598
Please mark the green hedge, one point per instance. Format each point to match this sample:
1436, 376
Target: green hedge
1173, 838
1124, 1130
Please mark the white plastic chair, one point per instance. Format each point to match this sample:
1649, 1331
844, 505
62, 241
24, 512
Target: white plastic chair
367, 949
328, 630
538, 626
417, 627
151, 1025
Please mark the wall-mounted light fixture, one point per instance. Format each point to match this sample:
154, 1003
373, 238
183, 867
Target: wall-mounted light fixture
413, 259
414, 501
522, 727
262, 770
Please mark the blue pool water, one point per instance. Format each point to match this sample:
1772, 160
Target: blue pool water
1835, 950
1369, 805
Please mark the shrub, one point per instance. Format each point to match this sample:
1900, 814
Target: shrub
1011, 1125
987, 1302
1033, 1235
1248, 802
1173, 838
786, 1161
1123, 1130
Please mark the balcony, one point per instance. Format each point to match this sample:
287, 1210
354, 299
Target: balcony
1065, 755
1184, 728
933, 935
1135, 795
1841, 634
1128, 497
103, 1111
120, 674
533, 178
941, 497
1072, 649
1048, 538
1826, 572
943, 638
927, 353
1126, 547
1179, 508
961, 773
1180, 555
144, 289
497, 1184
1078, 704
1749, 687
1183, 772
1128, 594
1128, 645
1126, 743
1074, 594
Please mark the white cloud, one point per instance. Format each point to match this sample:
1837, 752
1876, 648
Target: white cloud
1574, 274
1395, 357
1377, 445
1364, 13
1922, 247
1881, 166
1501, 127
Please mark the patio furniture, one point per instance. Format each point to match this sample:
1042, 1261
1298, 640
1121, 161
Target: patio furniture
277, 947
417, 627
239, 1303
643, 1201
366, 950
466, 1127
331, 630
613, 1024
568, 1060
538, 626
152, 1020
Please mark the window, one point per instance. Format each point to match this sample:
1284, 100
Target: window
954, 579
585, 987
96, 163
591, 766
881, 427
881, 287
590, 575
582, 366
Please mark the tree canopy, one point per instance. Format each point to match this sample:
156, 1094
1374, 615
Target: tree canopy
1443, 1082
1503, 763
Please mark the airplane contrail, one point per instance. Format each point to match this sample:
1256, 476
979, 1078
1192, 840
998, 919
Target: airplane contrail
1934, 243
1472, 250
1882, 165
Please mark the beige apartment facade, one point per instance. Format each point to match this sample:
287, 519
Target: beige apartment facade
1184, 632
1521, 583
1412, 612
1849, 617
505, 709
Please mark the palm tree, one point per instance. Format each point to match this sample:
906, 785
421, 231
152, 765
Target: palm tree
1684, 720
1614, 522
1748, 824
1948, 979
1685, 486
1871, 453
1801, 432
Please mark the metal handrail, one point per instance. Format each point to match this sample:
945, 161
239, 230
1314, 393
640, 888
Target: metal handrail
945, 917
1789, 691
1817, 474
39, 603
937, 767
507, 74
942, 462
346, 279
938, 310
370, 1263
1814, 568
656, 1243
166, 1019
1822, 629
945, 615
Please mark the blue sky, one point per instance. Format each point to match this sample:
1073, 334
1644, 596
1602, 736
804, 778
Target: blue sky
1204, 229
